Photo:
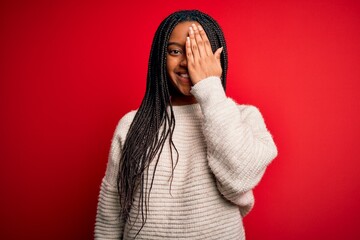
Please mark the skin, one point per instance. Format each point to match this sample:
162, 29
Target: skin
190, 60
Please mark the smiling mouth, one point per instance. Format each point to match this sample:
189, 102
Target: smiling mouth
183, 75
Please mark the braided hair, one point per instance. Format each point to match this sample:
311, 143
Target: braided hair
153, 124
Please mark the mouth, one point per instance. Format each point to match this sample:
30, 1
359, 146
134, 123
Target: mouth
184, 77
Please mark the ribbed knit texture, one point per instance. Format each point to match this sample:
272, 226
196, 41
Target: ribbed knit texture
224, 149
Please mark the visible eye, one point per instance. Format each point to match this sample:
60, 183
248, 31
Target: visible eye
174, 52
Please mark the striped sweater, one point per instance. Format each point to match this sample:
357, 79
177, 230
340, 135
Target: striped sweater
224, 149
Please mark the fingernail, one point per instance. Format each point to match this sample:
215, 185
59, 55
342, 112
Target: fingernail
200, 28
191, 30
187, 39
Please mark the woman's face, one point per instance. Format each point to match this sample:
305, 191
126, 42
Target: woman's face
176, 64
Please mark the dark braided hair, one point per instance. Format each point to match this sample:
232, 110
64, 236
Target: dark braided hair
145, 139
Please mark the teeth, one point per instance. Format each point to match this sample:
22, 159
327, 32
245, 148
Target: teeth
185, 75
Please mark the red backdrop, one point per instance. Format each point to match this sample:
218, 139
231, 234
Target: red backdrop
69, 71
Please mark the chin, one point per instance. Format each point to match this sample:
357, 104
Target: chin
186, 92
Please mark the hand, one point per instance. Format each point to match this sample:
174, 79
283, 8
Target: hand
201, 61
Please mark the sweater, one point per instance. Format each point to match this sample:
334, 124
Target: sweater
224, 149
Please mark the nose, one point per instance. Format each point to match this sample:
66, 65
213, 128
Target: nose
183, 62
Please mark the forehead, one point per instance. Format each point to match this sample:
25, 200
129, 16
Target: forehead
181, 31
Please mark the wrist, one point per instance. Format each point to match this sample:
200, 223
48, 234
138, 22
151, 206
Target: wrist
198, 79
208, 91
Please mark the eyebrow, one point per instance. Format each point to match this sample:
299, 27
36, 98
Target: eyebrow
175, 43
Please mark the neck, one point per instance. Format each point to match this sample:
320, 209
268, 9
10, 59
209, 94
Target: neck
182, 100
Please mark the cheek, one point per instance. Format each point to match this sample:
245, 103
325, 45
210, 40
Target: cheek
171, 64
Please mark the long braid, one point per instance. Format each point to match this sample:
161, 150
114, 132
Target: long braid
153, 123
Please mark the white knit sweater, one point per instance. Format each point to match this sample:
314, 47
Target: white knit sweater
224, 150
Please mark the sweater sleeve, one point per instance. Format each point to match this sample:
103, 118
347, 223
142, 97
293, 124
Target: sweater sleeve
239, 146
109, 224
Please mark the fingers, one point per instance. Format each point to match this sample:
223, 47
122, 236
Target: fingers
200, 43
205, 40
189, 55
218, 53
199, 40
194, 46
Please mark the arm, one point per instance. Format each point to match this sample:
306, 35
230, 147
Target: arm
109, 224
239, 146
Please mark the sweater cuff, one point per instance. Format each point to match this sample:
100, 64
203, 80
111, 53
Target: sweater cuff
208, 92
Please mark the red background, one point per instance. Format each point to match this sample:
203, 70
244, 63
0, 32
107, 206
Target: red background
69, 71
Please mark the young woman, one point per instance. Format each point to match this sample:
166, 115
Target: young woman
184, 164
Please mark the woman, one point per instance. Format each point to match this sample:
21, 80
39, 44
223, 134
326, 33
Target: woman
184, 164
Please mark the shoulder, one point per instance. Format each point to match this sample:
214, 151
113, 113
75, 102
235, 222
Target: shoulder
124, 124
